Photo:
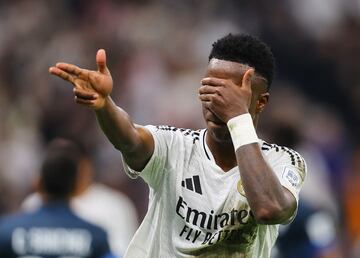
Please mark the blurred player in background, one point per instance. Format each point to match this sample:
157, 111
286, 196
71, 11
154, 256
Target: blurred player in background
54, 230
313, 233
100, 205
215, 192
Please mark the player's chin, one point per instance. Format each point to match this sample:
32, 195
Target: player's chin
216, 125
219, 131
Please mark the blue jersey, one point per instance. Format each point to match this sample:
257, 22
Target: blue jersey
311, 234
53, 231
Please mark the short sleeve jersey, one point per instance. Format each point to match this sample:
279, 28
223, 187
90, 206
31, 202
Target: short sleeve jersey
195, 208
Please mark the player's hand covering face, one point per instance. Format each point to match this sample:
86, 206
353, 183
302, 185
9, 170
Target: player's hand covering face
90, 87
225, 98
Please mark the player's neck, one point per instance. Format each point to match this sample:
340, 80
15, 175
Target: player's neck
223, 153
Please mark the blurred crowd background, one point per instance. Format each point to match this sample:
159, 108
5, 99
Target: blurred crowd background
158, 52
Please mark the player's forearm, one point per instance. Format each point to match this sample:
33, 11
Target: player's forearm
135, 142
117, 126
264, 192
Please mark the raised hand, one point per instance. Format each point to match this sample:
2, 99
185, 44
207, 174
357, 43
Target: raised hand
91, 88
225, 98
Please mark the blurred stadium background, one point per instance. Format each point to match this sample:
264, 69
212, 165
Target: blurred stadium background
157, 53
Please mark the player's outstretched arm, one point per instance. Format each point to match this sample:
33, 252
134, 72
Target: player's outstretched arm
93, 89
270, 202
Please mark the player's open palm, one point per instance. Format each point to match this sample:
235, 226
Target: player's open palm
90, 87
225, 98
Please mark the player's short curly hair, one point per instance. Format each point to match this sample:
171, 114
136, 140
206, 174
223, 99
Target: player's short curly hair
60, 168
245, 49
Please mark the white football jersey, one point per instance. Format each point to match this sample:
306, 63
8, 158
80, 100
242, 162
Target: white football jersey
195, 208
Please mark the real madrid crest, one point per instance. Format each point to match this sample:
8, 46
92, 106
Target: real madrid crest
240, 188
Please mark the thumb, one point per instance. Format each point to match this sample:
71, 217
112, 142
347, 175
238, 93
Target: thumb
101, 61
246, 81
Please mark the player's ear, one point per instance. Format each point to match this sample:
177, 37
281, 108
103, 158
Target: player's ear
38, 184
39, 187
262, 102
84, 175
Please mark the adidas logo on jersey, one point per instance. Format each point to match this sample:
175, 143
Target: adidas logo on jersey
192, 184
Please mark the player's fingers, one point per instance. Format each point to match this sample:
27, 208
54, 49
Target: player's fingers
101, 61
85, 95
70, 68
246, 81
206, 89
86, 102
213, 81
60, 73
206, 97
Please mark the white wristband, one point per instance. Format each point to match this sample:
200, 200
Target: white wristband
242, 130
